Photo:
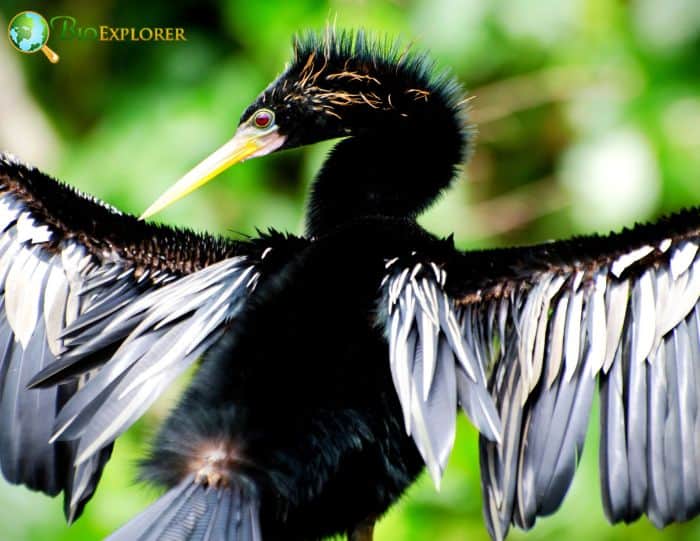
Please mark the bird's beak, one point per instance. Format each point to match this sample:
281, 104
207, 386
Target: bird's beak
246, 143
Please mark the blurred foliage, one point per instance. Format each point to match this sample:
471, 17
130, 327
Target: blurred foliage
588, 114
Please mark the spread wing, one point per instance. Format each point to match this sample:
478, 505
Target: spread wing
520, 338
99, 312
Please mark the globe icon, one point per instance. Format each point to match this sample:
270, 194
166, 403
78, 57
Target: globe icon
29, 32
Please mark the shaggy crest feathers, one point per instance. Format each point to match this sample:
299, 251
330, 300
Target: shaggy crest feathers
362, 56
380, 57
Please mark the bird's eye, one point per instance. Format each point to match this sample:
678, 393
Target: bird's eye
263, 118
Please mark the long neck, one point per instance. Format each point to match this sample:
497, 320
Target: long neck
397, 170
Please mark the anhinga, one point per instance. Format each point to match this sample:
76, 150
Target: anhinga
333, 364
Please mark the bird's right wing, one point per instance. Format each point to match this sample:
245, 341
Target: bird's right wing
519, 337
102, 312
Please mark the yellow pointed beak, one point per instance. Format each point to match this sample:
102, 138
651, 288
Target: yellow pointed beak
246, 143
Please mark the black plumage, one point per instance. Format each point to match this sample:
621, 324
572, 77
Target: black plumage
333, 364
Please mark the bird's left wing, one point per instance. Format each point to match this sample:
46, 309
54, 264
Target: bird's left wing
102, 312
518, 338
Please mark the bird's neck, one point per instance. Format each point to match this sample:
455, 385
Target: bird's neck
397, 170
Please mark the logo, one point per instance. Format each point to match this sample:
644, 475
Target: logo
67, 27
29, 32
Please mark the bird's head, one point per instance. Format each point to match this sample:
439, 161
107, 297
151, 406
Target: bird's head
337, 85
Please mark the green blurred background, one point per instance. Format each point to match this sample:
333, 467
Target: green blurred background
589, 119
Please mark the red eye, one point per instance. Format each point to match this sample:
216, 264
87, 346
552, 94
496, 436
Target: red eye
263, 118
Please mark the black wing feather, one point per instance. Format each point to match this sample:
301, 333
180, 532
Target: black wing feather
545, 322
102, 312
432, 367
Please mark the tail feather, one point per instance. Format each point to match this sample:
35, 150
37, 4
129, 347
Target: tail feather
192, 511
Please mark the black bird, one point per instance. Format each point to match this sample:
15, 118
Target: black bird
333, 364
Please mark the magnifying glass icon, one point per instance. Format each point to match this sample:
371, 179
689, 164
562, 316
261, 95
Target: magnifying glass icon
29, 32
